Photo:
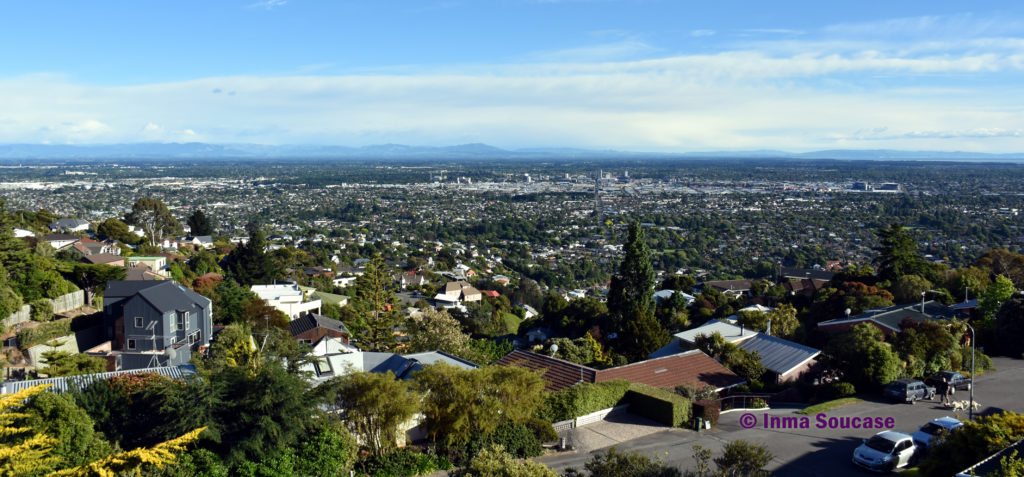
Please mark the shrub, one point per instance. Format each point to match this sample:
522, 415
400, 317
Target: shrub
708, 410
582, 399
42, 310
658, 404
30, 337
402, 463
517, 439
758, 403
541, 429
835, 390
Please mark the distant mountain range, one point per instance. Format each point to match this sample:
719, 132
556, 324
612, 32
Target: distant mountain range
197, 150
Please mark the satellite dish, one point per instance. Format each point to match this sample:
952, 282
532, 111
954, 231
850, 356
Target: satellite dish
171, 354
554, 349
848, 311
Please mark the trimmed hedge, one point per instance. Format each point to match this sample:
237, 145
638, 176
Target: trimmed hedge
582, 399
708, 409
658, 404
402, 463
30, 337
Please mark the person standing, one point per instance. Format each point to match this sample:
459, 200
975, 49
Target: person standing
943, 390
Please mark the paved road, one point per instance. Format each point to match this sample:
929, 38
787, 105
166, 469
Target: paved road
814, 452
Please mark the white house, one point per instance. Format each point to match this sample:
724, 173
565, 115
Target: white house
288, 298
22, 233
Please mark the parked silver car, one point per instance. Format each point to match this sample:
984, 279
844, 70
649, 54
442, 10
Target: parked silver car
885, 451
923, 436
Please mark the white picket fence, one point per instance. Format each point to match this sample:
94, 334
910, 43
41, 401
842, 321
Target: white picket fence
591, 418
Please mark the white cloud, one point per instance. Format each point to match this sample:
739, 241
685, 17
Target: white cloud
268, 4
797, 93
701, 33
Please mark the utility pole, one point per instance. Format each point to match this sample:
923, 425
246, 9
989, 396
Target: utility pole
970, 407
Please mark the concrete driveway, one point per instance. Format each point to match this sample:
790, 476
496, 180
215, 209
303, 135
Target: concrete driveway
811, 452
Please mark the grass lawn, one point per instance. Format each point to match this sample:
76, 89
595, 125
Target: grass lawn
827, 405
511, 322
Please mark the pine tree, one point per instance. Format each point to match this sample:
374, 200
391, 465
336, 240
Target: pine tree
199, 223
374, 289
631, 300
898, 254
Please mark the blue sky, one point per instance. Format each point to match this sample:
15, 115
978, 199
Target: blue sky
627, 74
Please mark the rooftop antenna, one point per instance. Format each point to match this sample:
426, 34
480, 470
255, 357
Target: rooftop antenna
154, 361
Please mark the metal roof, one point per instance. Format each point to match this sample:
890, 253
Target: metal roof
68, 383
778, 355
731, 333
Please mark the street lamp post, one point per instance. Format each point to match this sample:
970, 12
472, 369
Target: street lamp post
970, 408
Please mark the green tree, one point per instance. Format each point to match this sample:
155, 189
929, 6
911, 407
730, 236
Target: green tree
249, 263
495, 462
115, 229
466, 405
93, 278
432, 330
57, 416
199, 224
374, 406
972, 442
992, 298
63, 363
624, 464
783, 320
229, 302
863, 357
740, 361
154, 218
631, 300
375, 288
908, 288
898, 254
743, 459
1008, 329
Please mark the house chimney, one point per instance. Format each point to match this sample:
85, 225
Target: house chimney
769, 330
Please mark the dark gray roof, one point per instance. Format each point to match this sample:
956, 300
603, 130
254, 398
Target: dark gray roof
312, 321
791, 272
893, 316
68, 383
778, 355
164, 295
126, 288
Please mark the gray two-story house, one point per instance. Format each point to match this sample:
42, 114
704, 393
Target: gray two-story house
155, 323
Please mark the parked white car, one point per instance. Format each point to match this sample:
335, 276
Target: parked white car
885, 451
923, 436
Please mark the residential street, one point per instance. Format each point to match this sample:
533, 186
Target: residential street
808, 452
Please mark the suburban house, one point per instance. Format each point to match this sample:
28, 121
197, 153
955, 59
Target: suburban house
456, 293
403, 366
87, 246
665, 295
69, 225
61, 241
784, 359
22, 233
157, 264
288, 298
200, 241
691, 368
888, 320
104, 259
411, 279
734, 288
155, 323
140, 271
311, 328
344, 282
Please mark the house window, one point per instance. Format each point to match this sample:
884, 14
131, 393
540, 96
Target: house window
131, 344
183, 321
194, 338
138, 321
